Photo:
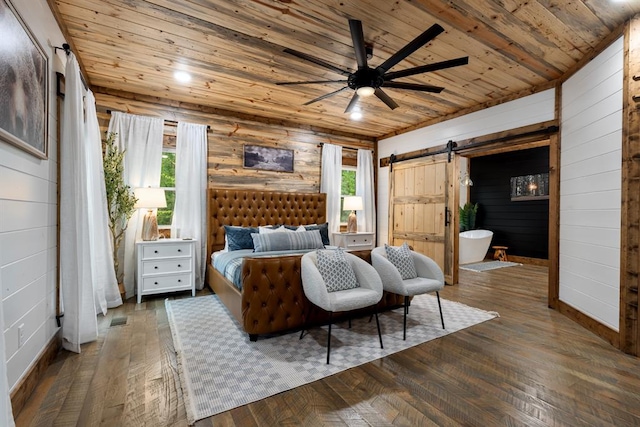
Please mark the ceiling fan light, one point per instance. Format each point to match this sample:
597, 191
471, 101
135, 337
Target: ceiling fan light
365, 91
356, 115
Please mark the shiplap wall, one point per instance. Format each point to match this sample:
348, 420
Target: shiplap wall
531, 109
28, 216
590, 187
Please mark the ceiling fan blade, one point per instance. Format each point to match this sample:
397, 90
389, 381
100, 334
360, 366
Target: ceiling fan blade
310, 82
316, 61
412, 86
386, 99
325, 96
411, 47
427, 68
352, 103
357, 36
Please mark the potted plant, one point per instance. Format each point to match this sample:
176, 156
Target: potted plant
120, 197
468, 216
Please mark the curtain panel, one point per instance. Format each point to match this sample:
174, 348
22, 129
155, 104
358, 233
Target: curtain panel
141, 138
365, 189
331, 184
189, 214
87, 280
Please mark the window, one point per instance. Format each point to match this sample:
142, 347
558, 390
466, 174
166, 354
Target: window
168, 182
348, 189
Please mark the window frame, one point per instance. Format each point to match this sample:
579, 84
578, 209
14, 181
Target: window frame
171, 150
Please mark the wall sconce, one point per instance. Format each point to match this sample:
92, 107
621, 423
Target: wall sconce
465, 179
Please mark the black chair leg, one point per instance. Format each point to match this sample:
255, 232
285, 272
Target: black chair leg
378, 324
440, 307
306, 321
406, 311
329, 338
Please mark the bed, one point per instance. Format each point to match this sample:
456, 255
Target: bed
269, 298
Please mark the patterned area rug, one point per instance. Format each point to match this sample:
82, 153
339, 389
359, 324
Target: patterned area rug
220, 369
488, 265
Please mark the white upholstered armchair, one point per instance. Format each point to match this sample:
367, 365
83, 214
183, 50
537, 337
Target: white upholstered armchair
429, 278
367, 293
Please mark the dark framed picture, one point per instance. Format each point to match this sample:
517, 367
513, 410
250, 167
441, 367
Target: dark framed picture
24, 85
267, 158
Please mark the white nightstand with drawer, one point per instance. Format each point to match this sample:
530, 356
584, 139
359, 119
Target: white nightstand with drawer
165, 265
360, 241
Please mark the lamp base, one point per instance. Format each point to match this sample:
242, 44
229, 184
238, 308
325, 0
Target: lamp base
150, 227
352, 225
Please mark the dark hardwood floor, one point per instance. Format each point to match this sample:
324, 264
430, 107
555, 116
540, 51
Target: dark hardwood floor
530, 367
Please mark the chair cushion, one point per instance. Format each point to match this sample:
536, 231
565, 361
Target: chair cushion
402, 259
336, 270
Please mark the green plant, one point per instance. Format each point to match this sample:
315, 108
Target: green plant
468, 216
120, 197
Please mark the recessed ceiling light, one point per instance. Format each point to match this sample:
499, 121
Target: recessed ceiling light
182, 76
356, 114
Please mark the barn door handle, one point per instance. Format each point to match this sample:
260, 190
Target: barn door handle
447, 216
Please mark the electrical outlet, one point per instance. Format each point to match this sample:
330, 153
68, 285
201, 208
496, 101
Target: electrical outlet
20, 335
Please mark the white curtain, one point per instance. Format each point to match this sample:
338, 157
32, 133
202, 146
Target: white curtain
364, 188
141, 138
87, 280
331, 183
189, 213
6, 414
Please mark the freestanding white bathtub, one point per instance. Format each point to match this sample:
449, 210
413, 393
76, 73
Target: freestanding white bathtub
474, 245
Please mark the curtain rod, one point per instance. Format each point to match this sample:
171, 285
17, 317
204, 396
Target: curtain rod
67, 51
320, 144
167, 121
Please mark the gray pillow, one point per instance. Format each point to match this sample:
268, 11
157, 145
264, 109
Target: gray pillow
324, 230
336, 271
402, 259
288, 241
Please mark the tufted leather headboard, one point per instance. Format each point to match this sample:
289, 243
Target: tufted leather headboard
254, 207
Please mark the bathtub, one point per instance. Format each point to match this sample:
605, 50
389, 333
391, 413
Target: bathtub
474, 245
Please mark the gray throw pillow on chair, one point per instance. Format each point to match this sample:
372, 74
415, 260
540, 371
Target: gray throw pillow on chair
402, 259
336, 271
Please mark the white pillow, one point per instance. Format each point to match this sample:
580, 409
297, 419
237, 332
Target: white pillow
267, 230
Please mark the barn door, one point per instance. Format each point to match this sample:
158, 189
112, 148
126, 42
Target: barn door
423, 200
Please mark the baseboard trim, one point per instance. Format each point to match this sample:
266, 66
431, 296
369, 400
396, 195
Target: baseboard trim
28, 383
529, 261
590, 324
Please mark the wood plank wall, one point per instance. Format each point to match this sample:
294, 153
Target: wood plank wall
227, 135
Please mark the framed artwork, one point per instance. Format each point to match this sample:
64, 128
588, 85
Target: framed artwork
24, 85
267, 158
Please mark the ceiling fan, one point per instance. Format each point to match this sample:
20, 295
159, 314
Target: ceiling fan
367, 81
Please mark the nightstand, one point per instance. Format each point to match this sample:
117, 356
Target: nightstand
165, 265
354, 241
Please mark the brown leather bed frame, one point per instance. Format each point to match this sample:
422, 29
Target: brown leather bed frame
272, 299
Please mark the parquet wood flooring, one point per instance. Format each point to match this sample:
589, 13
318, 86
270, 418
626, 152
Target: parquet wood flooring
530, 367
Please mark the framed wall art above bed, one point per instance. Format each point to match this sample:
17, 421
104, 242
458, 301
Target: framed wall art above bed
24, 85
268, 158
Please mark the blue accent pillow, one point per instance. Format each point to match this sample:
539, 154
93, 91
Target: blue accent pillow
324, 231
287, 241
239, 237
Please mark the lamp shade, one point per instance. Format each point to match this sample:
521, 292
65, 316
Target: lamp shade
352, 203
150, 198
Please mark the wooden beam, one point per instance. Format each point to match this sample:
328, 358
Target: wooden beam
525, 135
178, 105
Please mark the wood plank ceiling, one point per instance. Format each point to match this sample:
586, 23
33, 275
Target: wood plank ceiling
234, 51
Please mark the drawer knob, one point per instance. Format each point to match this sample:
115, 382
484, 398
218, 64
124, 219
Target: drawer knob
179, 280
156, 267
179, 265
155, 283
155, 252
179, 250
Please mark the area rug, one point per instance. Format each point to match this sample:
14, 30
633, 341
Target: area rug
488, 265
220, 369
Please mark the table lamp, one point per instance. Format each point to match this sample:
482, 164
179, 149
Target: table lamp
353, 204
150, 198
